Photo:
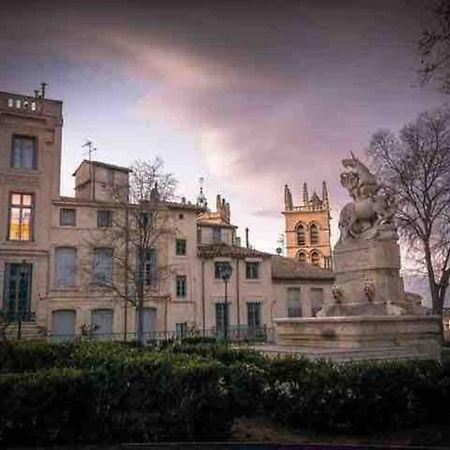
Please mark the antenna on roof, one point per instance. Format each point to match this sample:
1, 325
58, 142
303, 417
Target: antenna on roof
90, 149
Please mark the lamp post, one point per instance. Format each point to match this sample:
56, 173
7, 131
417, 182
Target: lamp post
20, 294
225, 273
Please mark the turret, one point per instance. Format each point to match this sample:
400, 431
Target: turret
287, 198
305, 194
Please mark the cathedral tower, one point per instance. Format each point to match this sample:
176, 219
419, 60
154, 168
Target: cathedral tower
307, 227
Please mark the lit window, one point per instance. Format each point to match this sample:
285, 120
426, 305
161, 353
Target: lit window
21, 217
104, 218
180, 247
252, 270
301, 240
24, 153
67, 217
181, 285
314, 234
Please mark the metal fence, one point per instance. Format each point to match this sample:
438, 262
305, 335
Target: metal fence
234, 334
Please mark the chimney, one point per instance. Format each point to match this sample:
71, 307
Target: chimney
247, 243
227, 209
218, 203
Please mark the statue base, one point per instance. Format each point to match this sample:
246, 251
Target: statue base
358, 338
368, 281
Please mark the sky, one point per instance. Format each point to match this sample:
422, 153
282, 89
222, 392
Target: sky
250, 95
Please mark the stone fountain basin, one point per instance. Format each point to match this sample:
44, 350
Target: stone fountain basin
359, 337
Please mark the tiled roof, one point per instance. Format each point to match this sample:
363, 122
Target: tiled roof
290, 269
210, 251
102, 164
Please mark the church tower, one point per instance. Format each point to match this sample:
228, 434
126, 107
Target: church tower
307, 227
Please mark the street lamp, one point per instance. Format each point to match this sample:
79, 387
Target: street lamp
225, 273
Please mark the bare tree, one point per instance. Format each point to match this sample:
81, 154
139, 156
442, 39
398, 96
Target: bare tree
140, 226
415, 167
434, 44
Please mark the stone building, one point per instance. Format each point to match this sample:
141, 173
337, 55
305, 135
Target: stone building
58, 255
307, 227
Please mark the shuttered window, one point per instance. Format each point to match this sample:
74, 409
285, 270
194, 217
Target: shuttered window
102, 266
65, 266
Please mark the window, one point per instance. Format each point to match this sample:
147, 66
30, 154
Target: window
254, 314
327, 262
218, 269
252, 270
24, 153
181, 329
301, 256
316, 297
65, 266
104, 218
180, 247
315, 258
216, 235
21, 216
199, 235
314, 234
150, 268
222, 319
102, 266
301, 239
67, 217
181, 286
293, 302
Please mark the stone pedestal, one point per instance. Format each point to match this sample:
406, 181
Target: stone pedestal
359, 338
368, 281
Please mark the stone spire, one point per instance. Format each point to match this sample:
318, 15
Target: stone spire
305, 194
287, 198
324, 193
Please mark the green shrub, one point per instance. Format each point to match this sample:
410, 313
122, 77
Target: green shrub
357, 397
23, 356
143, 399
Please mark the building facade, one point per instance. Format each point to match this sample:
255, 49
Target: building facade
307, 227
61, 258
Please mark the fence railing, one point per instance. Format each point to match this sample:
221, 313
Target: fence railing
235, 334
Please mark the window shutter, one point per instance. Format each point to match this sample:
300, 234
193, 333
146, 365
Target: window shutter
65, 258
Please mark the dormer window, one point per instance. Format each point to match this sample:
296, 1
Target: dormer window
24, 153
216, 235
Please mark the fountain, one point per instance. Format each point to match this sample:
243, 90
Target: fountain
369, 316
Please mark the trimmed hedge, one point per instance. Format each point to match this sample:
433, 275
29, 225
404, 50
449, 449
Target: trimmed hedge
90, 392
139, 401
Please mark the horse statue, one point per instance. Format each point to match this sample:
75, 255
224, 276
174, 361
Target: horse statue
371, 209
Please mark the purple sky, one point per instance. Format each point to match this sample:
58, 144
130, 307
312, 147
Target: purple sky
249, 94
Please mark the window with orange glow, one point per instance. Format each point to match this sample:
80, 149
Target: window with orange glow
21, 217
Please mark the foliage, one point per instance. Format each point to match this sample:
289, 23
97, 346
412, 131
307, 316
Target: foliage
415, 168
90, 392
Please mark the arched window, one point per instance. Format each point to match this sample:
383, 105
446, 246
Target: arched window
301, 256
301, 235
315, 258
314, 234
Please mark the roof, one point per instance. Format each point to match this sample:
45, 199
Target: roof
102, 164
210, 251
65, 200
290, 269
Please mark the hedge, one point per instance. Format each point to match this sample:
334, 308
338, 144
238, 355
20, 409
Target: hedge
141, 401
104, 392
